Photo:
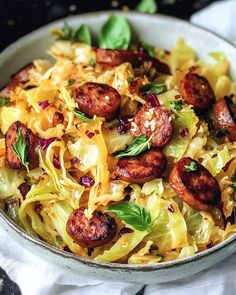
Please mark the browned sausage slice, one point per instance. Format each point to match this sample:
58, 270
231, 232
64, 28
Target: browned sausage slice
97, 99
24, 188
112, 58
91, 233
198, 188
31, 141
143, 168
154, 122
20, 77
225, 115
197, 91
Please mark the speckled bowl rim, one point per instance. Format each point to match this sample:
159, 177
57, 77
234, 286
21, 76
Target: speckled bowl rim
92, 262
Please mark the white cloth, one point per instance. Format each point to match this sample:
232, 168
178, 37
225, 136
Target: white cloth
37, 277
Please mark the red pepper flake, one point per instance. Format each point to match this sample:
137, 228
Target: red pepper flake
89, 134
90, 251
193, 68
210, 245
177, 96
171, 209
167, 52
56, 162
226, 167
184, 132
97, 132
74, 161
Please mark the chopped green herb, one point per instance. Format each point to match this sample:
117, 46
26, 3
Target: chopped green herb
3, 101
150, 49
154, 87
192, 167
130, 79
147, 6
135, 215
81, 116
233, 185
177, 104
115, 33
92, 62
20, 148
137, 146
222, 132
81, 34
70, 82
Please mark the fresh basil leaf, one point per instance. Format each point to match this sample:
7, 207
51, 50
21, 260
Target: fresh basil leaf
147, 6
233, 185
3, 101
70, 82
81, 34
154, 87
92, 62
222, 132
115, 33
81, 116
177, 104
192, 167
135, 215
137, 146
20, 148
149, 48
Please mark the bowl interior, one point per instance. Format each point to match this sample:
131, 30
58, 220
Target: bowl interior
159, 30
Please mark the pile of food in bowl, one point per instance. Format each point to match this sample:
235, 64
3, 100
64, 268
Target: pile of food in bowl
121, 152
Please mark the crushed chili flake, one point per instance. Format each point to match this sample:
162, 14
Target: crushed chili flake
74, 161
177, 96
171, 209
89, 134
210, 245
86, 181
90, 251
97, 132
184, 132
167, 52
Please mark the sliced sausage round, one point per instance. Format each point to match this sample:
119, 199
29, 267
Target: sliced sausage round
112, 58
154, 122
225, 115
91, 233
197, 91
31, 141
98, 99
22, 76
143, 168
198, 188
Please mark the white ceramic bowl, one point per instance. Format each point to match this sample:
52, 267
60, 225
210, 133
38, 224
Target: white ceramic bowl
158, 30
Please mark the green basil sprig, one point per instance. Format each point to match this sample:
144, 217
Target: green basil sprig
137, 146
176, 104
80, 34
147, 6
81, 116
3, 101
20, 148
135, 215
115, 33
154, 87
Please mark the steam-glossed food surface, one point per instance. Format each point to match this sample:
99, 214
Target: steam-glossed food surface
120, 152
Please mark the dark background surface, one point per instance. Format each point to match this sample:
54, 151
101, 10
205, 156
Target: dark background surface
19, 17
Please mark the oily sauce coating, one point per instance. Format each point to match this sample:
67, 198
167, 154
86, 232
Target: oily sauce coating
225, 115
113, 58
91, 233
199, 189
197, 91
143, 168
98, 99
155, 122
20, 77
31, 141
